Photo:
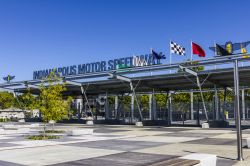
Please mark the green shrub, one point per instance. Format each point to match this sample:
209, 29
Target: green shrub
42, 137
4, 120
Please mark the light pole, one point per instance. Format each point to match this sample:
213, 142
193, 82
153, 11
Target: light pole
237, 111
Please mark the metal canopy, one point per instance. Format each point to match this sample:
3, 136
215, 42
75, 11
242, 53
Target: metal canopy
161, 80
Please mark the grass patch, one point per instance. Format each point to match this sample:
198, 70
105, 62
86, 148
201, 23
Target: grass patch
42, 137
53, 131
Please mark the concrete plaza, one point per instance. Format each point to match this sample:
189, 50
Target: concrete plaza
120, 145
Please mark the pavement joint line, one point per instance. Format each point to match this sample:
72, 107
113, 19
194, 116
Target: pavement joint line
54, 144
69, 142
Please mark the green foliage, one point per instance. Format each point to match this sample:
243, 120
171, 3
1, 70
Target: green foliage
4, 120
195, 68
7, 100
111, 100
125, 99
71, 110
144, 100
198, 68
51, 103
161, 99
230, 96
42, 137
208, 96
181, 97
27, 101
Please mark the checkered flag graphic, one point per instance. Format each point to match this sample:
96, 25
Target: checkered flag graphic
177, 49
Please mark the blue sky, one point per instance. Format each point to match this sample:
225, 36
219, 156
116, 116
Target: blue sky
41, 34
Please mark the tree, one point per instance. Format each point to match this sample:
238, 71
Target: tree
7, 100
126, 100
144, 100
71, 110
27, 101
161, 100
180, 102
51, 103
111, 100
181, 97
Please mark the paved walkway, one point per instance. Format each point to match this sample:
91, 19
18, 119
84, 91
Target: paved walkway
120, 145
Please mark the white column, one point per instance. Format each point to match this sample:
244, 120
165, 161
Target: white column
79, 103
154, 113
243, 104
116, 103
169, 108
150, 106
79, 106
192, 105
247, 113
216, 104
107, 113
132, 106
117, 113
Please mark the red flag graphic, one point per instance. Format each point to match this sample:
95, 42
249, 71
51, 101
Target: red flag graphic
198, 50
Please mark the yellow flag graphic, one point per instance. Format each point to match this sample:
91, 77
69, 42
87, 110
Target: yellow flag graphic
243, 50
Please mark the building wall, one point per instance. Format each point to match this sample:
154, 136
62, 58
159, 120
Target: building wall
12, 113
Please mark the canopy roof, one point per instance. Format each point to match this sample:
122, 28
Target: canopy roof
158, 77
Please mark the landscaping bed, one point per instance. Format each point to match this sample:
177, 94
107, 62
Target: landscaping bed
42, 137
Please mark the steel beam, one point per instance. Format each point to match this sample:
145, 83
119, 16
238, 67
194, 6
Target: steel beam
86, 99
202, 97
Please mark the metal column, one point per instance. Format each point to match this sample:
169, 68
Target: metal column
150, 106
107, 107
192, 105
216, 102
132, 106
79, 107
116, 103
117, 114
169, 108
154, 113
237, 111
225, 115
243, 105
